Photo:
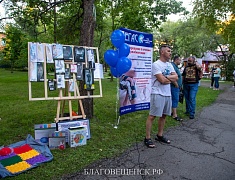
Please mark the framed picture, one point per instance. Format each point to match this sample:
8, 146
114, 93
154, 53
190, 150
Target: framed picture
33, 71
33, 52
71, 85
60, 81
89, 79
49, 53
51, 85
73, 68
40, 52
79, 54
67, 74
67, 53
91, 55
57, 51
40, 72
59, 66
79, 71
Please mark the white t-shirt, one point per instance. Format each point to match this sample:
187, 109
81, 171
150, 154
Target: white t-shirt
165, 68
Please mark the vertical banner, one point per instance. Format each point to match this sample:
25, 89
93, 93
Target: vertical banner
135, 85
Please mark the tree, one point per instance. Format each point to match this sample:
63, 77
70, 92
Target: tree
16, 49
87, 39
219, 17
188, 37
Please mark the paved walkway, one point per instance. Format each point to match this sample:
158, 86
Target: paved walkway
200, 149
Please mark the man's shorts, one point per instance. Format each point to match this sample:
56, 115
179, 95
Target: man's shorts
160, 105
175, 96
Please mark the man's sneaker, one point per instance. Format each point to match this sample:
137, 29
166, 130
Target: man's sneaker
191, 117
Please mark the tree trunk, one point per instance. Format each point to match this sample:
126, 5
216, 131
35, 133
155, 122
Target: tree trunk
87, 39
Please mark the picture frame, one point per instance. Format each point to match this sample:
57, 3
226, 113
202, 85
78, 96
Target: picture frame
89, 79
60, 81
59, 66
68, 53
57, 51
79, 54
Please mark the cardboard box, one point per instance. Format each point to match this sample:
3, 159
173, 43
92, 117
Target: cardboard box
77, 136
57, 140
42, 131
65, 125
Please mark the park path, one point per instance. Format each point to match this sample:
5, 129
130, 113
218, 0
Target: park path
200, 149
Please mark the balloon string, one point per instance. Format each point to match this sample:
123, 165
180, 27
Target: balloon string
117, 100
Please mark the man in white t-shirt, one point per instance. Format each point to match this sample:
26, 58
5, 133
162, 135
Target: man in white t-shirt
163, 74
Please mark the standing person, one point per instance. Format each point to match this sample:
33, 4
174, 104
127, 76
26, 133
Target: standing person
175, 91
212, 76
191, 76
217, 76
160, 101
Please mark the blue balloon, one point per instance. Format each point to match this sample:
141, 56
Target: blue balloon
117, 38
114, 72
111, 57
124, 50
123, 65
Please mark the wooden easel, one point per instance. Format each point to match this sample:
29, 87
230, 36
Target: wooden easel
68, 93
62, 98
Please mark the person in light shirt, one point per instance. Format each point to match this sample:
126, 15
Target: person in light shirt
163, 74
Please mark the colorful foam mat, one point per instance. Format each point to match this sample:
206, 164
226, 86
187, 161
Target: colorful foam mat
25, 155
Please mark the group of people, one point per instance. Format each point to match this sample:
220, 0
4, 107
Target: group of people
167, 82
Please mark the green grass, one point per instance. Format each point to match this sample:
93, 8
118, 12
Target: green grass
18, 116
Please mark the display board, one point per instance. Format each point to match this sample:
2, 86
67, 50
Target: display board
55, 71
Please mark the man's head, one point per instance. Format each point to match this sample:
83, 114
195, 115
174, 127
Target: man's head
177, 60
191, 60
165, 52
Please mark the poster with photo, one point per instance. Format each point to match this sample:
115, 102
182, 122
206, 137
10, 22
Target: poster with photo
73, 68
136, 83
67, 74
59, 66
79, 71
32, 71
40, 52
79, 54
33, 52
40, 72
71, 85
99, 73
49, 53
91, 55
68, 53
89, 79
60, 81
57, 51
51, 85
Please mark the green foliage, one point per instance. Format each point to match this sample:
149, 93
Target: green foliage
18, 116
188, 37
15, 51
218, 15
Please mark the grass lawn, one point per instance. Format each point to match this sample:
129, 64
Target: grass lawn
18, 116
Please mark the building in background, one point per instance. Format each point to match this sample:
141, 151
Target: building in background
2, 41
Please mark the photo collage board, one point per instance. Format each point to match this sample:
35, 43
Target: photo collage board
70, 63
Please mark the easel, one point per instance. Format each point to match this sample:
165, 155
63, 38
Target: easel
63, 94
68, 93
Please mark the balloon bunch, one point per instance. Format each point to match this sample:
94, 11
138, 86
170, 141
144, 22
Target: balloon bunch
117, 59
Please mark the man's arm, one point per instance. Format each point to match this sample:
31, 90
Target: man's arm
172, 78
